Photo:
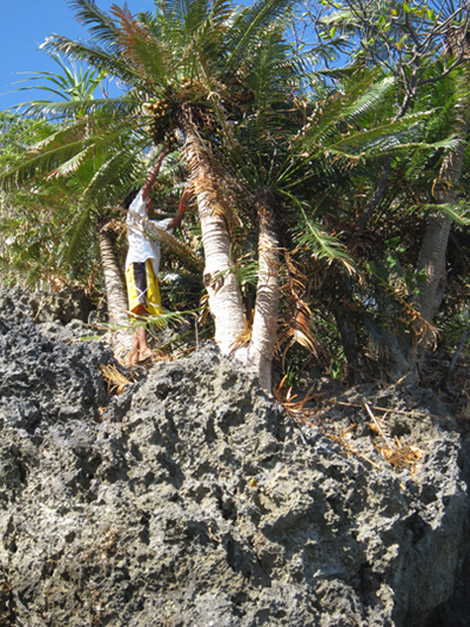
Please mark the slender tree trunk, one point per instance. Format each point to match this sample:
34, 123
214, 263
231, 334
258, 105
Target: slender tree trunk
260, 350
116, 296
351, 349
432, 256
220, 279
432, 259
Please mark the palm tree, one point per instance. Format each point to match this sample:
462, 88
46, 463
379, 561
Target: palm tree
194, 71
184, 68
285, 173
67, 150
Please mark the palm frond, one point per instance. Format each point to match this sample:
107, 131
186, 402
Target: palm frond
141, 49
77, 247
71, 110
108, 61
370, 100
72, 83
458, 212
183, 251
71, 165
39, 164
247, 26
111, 178
341, 108
270, 72
98, 22
322, 245
381, 141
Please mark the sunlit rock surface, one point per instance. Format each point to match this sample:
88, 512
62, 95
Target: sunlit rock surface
193, 499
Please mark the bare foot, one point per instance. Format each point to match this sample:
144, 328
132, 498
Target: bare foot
144, 356
132, 358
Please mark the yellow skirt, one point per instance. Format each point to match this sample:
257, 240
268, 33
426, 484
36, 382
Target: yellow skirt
142, 287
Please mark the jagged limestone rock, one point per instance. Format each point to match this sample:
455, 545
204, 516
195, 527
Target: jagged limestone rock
193, 499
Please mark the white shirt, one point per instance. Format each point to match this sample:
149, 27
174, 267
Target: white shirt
141, 245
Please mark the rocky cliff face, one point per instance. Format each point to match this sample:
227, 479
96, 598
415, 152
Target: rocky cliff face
193, 499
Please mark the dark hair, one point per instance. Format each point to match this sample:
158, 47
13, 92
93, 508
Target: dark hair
130, 197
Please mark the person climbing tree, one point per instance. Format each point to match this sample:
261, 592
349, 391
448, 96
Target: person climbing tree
143, 257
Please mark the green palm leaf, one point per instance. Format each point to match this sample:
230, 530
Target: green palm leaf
99, 24
322, 245
248, 24
108, 61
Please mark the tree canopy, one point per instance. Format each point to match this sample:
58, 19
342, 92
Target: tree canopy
327, 144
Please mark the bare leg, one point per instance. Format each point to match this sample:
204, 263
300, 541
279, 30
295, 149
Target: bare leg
144, 350
134, 354
140, 350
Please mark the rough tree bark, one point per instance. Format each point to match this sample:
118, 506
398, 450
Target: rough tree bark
263, 335
225, 299
116, 296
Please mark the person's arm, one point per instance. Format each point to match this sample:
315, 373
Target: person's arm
153, 173
187, 193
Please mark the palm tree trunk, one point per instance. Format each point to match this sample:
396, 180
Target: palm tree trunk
225, 299
261, 347
116, 296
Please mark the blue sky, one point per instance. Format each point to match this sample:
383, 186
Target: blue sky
25, 24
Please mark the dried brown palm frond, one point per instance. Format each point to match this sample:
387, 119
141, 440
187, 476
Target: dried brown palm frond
115, 380
376, 425
296, 278
160, 355
425, 332
286, 397
394, 451
204, 310
296, 329
136, 41
243, 338
344, 440
295, 324
298, 410
401, 456
183, 251
115, 225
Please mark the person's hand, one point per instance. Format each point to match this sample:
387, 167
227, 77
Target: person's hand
187, 193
